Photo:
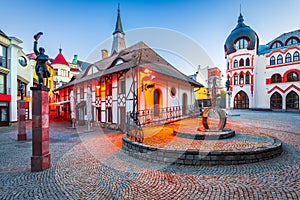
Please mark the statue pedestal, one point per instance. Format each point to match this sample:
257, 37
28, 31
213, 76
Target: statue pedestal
40, 159
22, 120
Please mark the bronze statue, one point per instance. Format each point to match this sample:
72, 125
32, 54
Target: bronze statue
41, 60
21, 89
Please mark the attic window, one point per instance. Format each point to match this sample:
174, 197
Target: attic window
292, 41
92, 70
276, 44
119, 62
241, 43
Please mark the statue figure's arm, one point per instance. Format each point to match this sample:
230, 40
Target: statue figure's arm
35, 48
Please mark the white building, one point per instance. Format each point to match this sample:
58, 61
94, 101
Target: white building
263, 76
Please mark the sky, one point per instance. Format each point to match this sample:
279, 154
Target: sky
81, 26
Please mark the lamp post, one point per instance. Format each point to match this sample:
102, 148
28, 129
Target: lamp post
227, 84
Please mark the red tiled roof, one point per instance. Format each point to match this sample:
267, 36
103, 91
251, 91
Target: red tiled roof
60, 59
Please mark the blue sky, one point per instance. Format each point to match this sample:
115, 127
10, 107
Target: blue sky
78, 26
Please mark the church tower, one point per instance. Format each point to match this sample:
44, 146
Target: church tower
118, 36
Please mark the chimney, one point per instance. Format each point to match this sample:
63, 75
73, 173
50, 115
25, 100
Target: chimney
104, 53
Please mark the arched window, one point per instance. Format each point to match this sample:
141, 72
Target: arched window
247, 62
288, 58
247, 79
241, 81
292, 76
292, 100
272, 60
241, 44
235, 64
276, 78
279, 59
235, 79
296, 56
241, 62
292, 41
227, 65
241, 100
276, 101
276, 44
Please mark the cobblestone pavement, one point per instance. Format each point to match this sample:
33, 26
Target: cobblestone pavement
92, 165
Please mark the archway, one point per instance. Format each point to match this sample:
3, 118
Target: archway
241, 100
276, 101
292, 101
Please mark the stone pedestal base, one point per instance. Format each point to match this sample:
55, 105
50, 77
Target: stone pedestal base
40, 163
40, 159
22, 120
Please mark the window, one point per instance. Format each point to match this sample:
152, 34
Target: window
292, 76
276, 44
279, 59
292, 41
227, 65
235, 79
276, 78
81, 93
296, 56
276, 101
247, 79
241, 100
247, 62
241, 63
2, 83
288, 58
241, 79
3, 56
98, 91
272, 60
241, 44
22, 61
122, 86
235, 64
292, 100
109, 89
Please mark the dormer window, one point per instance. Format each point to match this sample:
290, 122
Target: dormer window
292, 41
276, 44
241, 44
119, 62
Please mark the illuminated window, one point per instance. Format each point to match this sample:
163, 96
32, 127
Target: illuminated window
98, 91
279, 59
276, 78
235, 79
288, 58
241, 79
272, 60
241, 100
296, 56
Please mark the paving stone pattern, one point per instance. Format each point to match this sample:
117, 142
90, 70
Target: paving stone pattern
92, 165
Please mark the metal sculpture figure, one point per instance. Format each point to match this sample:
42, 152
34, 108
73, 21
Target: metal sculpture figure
41, 61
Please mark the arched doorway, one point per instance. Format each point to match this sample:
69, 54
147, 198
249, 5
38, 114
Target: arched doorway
157, 101
241, 100
276, 101
184, 104
292, 101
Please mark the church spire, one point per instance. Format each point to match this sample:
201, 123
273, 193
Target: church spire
119, 28
118, 36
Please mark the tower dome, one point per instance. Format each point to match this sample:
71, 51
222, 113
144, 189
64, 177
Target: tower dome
241, 31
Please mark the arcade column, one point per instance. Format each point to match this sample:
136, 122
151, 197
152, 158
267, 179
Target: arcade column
40, 159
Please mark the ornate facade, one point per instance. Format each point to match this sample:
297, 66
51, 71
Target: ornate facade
263, 76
